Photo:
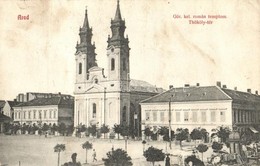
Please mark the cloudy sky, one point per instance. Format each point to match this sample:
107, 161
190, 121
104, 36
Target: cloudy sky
37, 55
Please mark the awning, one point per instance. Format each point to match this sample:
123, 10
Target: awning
253, 130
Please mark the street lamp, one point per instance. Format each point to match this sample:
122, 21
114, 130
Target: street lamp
170, 133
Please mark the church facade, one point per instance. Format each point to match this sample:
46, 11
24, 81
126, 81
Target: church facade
113, 98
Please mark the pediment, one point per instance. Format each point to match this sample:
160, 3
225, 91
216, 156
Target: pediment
94, 88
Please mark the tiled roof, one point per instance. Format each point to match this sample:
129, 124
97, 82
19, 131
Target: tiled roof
243, 97
47, 101
13, 103
184, 94
143, 86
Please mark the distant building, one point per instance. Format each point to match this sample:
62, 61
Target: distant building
6, 107
202, 106
33, 95
113, 98
51, 110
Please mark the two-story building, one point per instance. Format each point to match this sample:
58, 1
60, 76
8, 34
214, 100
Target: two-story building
202, 106
52, 110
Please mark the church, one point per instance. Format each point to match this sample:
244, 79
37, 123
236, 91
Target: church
113, 98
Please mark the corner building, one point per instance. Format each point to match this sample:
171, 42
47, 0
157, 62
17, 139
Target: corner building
111, 99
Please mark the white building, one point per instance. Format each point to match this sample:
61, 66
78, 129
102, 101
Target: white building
53, 110
207, 107
114, 98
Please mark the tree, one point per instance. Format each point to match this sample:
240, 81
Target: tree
87, 146
216, 146
223, 133
194, 160
45, 127
62, 128
153, 154
181, 134
202, 148
54, 128
117, 157
92, 130
148, 132
104, 129
164, 131
196, 134
125, 131
117, 129
59, 148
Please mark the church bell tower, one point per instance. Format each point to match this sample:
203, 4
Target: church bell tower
85, 52
118, 53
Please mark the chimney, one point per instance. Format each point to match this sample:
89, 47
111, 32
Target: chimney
256, 92
198, 84
219, 84
224, 86
170, 86
186, 85
249, 90
235, 88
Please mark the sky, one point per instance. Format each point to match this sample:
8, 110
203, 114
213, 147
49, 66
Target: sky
38, 55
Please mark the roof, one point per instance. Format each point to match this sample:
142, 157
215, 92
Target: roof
193, 93
243, 97
143, 86
13, 103
244, 100
2, 103
48, 101
4, 118
43, 95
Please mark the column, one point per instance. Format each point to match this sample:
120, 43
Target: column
87, 112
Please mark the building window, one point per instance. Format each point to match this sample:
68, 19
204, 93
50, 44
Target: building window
34, 114
45, 114
238, 116
29, 115
124, 64
112, 64
94, 110
155, 116
162, 116
124, 113
178, 117
50, 113
24, 114
213, 116
54, 114
147, 116
19, 115
222, 116
203, 116
80, 68
40, 114
186, 116
15, 115
194, 117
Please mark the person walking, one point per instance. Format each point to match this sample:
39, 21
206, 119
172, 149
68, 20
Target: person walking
94, 155
167, 161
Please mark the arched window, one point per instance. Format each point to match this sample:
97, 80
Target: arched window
94, 110
80, 68
112, 64
124, 114
124, 64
